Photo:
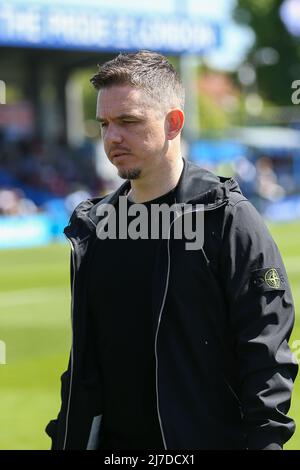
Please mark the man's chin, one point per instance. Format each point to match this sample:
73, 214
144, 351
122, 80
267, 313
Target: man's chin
129, 174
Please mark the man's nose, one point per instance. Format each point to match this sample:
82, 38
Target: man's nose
113, 134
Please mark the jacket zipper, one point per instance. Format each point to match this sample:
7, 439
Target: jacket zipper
232, 391
215, 206
72, 348
155, 344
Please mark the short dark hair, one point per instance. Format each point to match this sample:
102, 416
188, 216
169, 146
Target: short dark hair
147, 70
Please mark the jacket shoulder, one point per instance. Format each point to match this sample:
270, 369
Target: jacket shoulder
84, 207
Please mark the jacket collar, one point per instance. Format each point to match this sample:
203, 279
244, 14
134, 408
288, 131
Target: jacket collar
195, 185
200, 186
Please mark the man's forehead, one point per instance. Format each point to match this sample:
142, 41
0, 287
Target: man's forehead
121, 94
122, 99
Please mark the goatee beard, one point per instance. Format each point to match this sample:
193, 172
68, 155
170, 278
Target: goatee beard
131, 174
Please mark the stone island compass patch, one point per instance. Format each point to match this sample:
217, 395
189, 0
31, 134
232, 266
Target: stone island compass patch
268, 279
272, 278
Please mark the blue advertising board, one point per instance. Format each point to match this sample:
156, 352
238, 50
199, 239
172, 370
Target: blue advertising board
23, 231
96, 26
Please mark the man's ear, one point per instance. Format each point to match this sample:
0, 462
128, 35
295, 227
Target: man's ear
174, 123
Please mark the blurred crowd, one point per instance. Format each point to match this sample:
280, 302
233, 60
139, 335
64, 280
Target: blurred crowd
48, 166
33, 172
14, 202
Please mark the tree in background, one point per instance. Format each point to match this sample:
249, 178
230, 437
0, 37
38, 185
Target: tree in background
275, 54
219, 102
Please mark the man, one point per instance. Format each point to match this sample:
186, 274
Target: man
174, 346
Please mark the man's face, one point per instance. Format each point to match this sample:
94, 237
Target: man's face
133, 130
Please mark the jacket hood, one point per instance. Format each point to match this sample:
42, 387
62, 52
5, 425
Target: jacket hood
195, 185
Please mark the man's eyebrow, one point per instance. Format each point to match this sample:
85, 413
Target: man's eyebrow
122, 116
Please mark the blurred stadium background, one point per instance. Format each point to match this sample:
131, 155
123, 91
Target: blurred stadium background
239, 60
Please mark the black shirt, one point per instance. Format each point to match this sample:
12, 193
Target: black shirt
120, 292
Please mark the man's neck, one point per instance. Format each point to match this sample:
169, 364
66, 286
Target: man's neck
158, 183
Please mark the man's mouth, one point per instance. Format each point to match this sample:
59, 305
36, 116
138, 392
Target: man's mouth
119, 155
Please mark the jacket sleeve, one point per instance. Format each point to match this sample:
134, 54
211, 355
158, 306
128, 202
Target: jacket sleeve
54, 426
261, 317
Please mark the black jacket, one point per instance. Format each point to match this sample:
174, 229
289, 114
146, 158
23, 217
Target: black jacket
224, 378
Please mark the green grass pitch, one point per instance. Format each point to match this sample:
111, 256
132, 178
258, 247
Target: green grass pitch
35, 327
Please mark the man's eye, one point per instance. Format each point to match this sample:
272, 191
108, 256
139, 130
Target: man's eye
103, 124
